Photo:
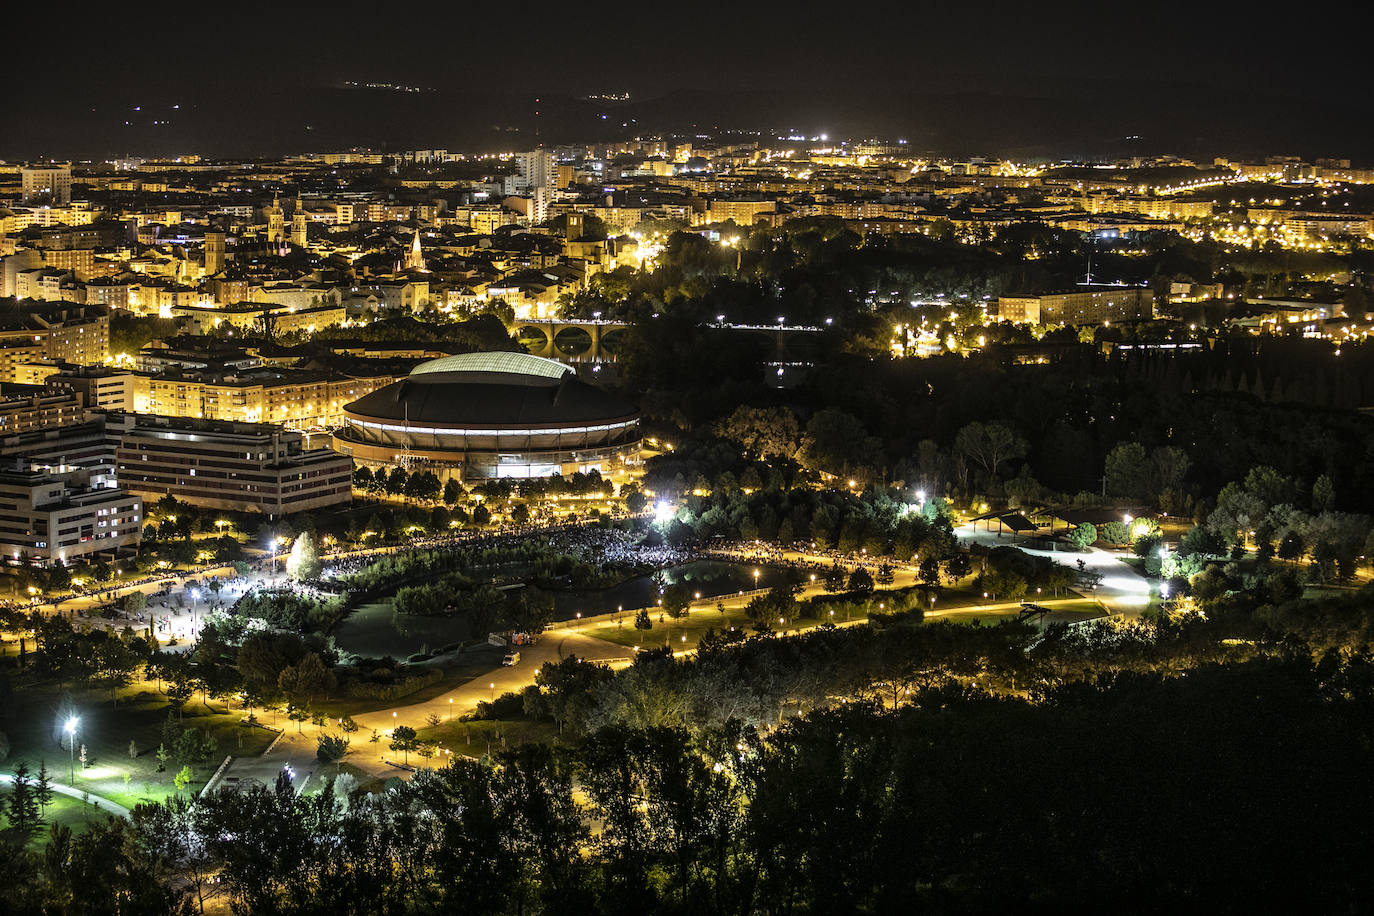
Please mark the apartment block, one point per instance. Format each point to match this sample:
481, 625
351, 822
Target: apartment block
58, 518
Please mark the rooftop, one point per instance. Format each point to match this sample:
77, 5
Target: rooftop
499, 366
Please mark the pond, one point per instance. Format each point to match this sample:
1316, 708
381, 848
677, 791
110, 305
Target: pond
376, 629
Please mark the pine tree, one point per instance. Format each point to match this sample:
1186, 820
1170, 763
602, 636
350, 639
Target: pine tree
43, 789
23, 810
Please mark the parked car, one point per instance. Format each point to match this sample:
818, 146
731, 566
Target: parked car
511, 660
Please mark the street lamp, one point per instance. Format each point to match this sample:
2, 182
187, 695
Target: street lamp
577, 626
492, 688
450, 709
70, 729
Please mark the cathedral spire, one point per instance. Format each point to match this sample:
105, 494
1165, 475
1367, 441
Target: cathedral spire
415, 259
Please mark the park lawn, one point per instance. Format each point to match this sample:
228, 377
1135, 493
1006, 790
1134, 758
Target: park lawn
33, 720
65, 811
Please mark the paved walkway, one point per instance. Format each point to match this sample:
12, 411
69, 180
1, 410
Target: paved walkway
102, 803
1123, 590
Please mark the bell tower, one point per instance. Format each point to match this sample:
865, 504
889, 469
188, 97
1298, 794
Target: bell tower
275, 222
298, 230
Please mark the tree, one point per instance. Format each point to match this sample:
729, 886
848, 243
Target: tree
183, 778
1323, 494
1168, 468
404, 739
1238, 511
453, 492
179, 690
23, 810
423, 485
1128, 470
930, 571
303, 563
298, 714
835, 441
331, 748
762, 433
306, 680
990, 445
42, 789
1083, 536
861, 581
1291, 547
481, 516
134, 602
676, 599
642, 621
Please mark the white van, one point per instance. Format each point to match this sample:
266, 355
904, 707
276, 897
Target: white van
512, 659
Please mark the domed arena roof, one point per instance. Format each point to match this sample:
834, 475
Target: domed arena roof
506, 391
497, 366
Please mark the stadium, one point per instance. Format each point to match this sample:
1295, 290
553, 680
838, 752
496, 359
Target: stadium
478, 416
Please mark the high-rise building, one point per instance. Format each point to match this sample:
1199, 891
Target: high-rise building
50, 184
536, 169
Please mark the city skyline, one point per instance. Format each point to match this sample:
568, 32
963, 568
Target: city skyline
544, 460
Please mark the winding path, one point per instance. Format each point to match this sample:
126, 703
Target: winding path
100, 802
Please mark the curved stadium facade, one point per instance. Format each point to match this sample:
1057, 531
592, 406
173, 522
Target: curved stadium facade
478, 416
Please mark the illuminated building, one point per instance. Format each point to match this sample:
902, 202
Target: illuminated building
299, 236
72, 334
214, 252
22, 413
247, 467
478, 416
275, 221
249, 316
415, 258
50, 184
59, 517
1088, 305
295, 398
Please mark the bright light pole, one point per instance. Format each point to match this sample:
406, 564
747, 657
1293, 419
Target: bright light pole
70, 729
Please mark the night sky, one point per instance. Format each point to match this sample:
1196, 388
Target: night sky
1088, 79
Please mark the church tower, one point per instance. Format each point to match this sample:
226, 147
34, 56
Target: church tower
275, 223
214, 251
415, 259
298, 231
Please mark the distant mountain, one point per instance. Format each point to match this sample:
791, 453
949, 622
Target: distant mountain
1099, 117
